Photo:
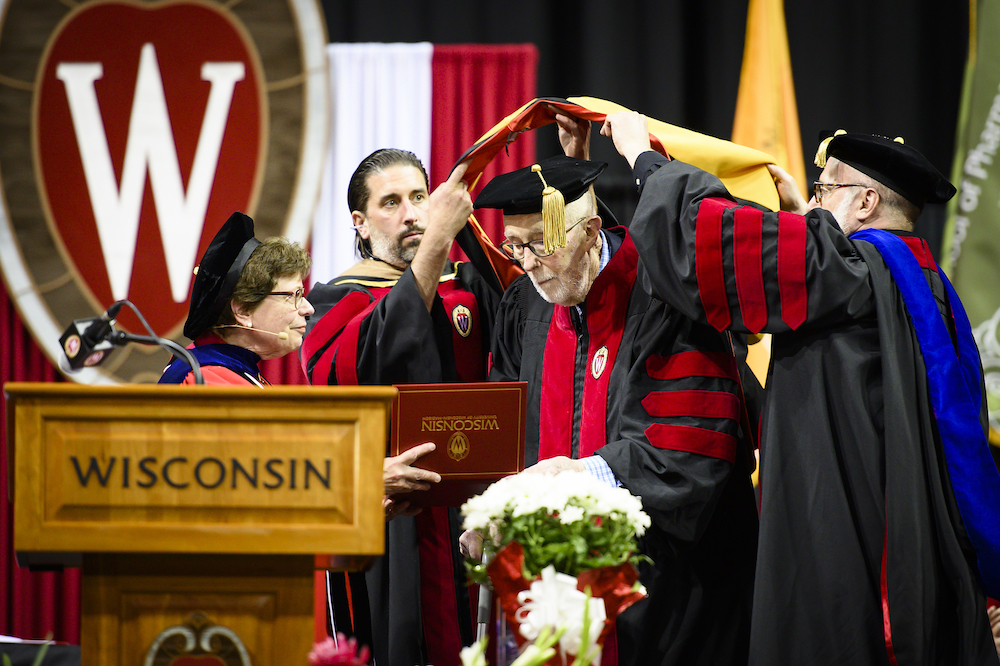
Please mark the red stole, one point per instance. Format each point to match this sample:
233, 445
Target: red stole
606, 310
462, 310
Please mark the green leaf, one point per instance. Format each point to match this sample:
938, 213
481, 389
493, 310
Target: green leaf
41, 652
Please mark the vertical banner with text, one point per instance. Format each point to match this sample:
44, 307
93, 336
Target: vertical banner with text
971, 256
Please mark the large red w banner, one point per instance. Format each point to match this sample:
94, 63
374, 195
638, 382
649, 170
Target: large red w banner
131, 132
134, 89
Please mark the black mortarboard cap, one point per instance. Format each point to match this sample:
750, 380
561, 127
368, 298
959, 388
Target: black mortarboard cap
546, 188
520, 192
891, 162
217, 274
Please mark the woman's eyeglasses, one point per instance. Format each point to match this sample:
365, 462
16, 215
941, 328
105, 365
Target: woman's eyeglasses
293, 297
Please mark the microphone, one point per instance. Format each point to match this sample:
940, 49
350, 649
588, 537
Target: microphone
88, 342
280, 336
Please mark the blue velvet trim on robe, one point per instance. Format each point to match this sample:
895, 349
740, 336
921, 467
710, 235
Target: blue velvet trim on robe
238, 359
954, 383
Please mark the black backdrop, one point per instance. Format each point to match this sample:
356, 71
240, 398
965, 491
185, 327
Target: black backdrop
881, 66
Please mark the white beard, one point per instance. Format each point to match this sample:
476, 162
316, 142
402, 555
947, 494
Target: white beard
567, 289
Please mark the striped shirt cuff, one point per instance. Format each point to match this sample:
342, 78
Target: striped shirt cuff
600, 469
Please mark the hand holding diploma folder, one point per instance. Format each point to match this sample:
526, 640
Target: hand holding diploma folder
477, 430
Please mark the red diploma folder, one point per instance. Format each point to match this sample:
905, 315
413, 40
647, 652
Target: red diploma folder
478, 429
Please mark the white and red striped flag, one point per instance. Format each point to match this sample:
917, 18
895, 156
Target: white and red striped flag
434, 100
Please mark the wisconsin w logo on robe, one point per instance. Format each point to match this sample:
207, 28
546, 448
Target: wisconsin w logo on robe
462, 318
139, 128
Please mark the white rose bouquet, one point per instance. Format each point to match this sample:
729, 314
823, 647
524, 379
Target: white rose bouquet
563, 560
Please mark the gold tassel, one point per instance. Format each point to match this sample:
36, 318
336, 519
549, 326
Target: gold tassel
820, 160
553, 215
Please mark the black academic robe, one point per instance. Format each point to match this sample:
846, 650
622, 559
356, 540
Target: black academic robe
371, 327
655, 394
862, 557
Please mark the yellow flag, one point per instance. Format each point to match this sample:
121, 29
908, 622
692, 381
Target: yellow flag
767, 117
741, 169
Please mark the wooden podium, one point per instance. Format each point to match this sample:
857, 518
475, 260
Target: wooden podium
204, 505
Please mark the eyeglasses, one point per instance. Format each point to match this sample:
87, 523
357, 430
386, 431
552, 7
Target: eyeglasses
818, 188
515, 251
296, 296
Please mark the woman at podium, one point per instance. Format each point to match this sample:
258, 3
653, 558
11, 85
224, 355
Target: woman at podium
247, 305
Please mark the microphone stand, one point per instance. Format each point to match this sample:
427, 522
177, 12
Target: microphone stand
121, 338
484, 607
102, 330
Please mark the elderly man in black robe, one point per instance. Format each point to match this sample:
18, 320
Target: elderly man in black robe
877, 494
625, 386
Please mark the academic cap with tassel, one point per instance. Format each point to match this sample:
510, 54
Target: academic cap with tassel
546, 188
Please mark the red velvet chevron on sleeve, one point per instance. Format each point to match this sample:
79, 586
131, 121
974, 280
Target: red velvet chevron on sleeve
319, 347
697, 404
692, 440
747, 242
700, 404
711, 261
708, 262
792, 269
691, 364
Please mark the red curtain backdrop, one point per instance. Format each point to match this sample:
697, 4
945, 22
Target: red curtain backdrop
475, 87
32, 605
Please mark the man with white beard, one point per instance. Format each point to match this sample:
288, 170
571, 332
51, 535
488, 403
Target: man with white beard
624, 386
